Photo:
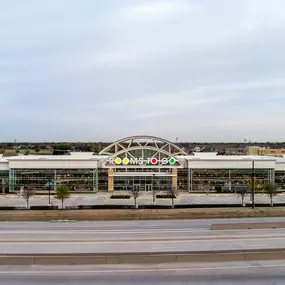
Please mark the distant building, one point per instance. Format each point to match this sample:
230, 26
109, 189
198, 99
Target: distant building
263, 151
235, 151
197, 149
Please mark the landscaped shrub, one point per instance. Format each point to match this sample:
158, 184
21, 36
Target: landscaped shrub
120, 196
44, 208
165, 196
4, 208
98, 207
154, 207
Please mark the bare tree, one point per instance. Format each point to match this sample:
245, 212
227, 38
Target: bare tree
155, 190
172, 192
206, 188
271, 190
135, 192
242, 190
27, 194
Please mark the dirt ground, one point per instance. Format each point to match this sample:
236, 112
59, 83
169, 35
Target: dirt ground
139, 214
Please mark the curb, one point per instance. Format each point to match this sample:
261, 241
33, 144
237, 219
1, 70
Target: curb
153, 258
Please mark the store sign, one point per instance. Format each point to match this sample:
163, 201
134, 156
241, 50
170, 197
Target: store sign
141, 161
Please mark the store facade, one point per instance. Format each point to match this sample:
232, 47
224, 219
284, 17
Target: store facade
145, 163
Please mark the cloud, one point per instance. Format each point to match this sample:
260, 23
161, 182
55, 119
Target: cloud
99, 70
152, 10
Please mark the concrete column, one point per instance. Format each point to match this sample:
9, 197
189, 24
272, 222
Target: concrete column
174, 178
191, 180
55, 182
271, 175
95, 180
188, 180
110, 180
12, 179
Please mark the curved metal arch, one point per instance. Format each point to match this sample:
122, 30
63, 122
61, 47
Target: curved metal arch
140, 148
127, 151
118, 144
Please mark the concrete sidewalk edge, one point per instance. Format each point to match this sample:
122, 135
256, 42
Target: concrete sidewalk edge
145, 257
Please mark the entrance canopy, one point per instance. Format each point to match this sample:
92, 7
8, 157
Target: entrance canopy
142, 151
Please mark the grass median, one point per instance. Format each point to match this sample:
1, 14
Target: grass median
139, 214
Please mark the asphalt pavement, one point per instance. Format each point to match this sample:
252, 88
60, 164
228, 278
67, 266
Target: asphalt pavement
255, 272
134, 236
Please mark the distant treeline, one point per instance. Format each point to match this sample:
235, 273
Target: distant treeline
96, 147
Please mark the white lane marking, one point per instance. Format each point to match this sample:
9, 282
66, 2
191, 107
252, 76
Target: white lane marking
72, 271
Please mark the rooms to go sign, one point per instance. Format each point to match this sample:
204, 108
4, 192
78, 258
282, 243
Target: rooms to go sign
141, 161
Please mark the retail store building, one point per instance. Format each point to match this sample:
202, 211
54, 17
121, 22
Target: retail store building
140, 162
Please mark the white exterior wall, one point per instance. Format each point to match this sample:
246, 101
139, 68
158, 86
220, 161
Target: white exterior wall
82, 161
4, 165
229, 164
53, 164
280, 166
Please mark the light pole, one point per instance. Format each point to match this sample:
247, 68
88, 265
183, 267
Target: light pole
49, 177
153, 192
252, 185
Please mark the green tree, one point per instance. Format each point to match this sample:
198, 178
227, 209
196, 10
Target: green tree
2, 150
61, 149
37, 149
62, 193
99, 147
92, 148
271, 190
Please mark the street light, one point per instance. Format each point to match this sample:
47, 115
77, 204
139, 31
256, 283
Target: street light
252, 185
153, 192
49, 189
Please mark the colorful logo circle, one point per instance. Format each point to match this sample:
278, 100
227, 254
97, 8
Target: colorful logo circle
126, 160
172, 160
154, 160
118, 160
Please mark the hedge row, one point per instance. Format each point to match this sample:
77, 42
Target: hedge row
88, 207
165, 196
44, 208
120, 196
98, 207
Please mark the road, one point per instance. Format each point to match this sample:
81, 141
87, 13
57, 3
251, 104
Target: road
257, 272
134, 236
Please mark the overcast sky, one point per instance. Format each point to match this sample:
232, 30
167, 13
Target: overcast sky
87, 70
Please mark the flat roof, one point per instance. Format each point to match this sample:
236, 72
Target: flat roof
2, 158
214, 156
72, 156
90, 156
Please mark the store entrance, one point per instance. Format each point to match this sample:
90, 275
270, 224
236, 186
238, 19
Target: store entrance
141, 183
